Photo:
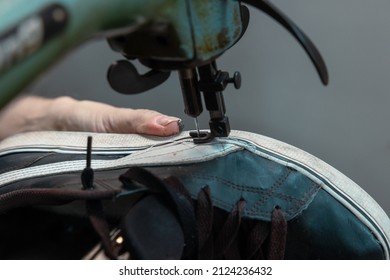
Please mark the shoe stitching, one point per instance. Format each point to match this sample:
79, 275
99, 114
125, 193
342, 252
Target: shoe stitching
238, 187
313, 189
183, 150
268, 193
244, 188
272, 191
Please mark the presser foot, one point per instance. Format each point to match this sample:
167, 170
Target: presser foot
201, 137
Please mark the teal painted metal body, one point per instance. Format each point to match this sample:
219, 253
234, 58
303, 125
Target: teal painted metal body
204, 29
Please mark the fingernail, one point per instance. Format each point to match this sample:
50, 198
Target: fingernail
164, 121
180, 125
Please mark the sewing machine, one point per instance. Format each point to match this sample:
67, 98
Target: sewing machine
165, 35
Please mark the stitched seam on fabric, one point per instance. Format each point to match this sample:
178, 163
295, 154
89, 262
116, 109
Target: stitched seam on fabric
263, 192
298, 204
272, 191
242, 188
313, 189
255, 210
140, 152
169, 145
188, 149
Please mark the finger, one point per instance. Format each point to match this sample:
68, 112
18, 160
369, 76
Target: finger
165, 126
154, 123
140, 121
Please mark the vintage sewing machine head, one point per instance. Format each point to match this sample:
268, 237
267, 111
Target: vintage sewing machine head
167, 35
190, 42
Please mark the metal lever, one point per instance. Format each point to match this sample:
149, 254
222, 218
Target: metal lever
302, 38
124, 78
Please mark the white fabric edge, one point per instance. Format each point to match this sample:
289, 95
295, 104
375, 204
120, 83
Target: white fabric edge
63, 141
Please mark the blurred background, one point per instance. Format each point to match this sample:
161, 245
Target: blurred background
346, 124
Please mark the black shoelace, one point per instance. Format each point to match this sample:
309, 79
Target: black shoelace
220, 235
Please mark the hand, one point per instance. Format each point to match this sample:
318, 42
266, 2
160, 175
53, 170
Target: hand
65, 113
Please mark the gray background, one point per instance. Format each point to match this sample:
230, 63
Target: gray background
345, 124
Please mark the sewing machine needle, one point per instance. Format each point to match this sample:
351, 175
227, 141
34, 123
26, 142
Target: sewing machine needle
197, 125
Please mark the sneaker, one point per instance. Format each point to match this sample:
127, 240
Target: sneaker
246, 196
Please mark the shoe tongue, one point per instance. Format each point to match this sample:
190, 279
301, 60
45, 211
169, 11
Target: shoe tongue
152, 231
166, 215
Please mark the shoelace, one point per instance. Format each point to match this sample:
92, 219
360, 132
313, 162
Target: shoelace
229, 236
221, 235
